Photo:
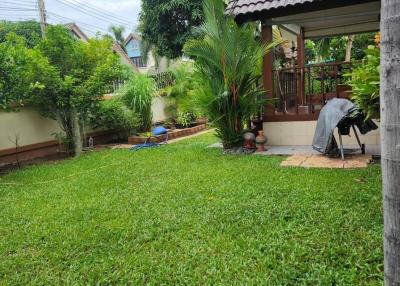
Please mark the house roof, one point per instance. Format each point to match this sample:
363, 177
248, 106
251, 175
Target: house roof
132, 36
77, 31
124, 56
247, 10
241, 7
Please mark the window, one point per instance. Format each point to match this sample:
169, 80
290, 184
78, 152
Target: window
138, 61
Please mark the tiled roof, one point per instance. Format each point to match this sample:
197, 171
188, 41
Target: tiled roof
242, 7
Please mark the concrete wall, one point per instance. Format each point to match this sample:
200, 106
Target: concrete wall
29, 125
301, 133
32, 128
158, 109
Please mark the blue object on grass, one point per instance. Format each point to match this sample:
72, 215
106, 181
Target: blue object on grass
160, 130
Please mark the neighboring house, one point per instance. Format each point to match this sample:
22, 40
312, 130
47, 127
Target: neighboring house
79, 34
300, 91
132, 46
76, 31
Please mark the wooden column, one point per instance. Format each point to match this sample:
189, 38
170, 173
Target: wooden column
300, 65
266, 34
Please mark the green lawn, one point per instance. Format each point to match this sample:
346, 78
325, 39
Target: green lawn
186, 214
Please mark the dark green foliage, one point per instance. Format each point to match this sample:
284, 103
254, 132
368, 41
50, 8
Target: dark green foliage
227, 60
183, 214
168, 24
29, 30
114, 115
364, 80
137, 94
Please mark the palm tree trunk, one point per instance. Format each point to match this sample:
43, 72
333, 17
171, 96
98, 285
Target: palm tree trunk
390, 137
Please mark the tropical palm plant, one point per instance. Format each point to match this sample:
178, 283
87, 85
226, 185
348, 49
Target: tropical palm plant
228, 60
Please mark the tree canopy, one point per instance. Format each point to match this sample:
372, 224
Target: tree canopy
167, 24
29, 30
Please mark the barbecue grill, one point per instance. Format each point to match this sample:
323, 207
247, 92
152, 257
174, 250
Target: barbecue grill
344, 115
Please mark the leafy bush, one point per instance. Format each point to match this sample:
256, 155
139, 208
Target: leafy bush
138, 95
365, 83
185, 118
114, 115
181, 94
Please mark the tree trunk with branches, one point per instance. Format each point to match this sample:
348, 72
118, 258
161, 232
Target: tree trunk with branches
390, 137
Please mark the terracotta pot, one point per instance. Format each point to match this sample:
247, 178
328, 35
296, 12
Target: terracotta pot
249, 140
260, 141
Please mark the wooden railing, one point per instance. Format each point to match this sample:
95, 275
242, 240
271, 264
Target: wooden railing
300, 93
164, 79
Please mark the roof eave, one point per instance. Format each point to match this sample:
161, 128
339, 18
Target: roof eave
294, 9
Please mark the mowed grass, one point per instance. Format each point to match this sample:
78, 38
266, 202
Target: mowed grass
185, 214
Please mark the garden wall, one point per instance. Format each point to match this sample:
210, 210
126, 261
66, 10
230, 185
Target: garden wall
36, 133
301, 133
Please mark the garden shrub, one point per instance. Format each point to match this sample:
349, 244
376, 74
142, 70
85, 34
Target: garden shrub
185, 118
114, 115
365, 80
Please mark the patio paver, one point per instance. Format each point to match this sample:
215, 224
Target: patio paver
321, 161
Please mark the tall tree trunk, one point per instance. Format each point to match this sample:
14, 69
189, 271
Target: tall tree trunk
390, 137
349, 47
76, 132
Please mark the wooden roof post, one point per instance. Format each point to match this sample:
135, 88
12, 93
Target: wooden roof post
300, 65
266, 34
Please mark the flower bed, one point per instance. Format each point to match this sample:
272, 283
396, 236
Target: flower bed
172, 134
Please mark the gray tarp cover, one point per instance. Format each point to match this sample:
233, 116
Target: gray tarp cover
330, 116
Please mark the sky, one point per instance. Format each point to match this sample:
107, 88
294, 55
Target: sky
90, 15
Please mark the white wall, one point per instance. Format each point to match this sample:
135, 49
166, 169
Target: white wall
158, 109
32, 128
29, 125
301, 133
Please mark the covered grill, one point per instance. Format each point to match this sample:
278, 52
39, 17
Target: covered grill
342, 114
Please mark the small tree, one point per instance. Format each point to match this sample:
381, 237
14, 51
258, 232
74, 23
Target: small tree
85, 71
